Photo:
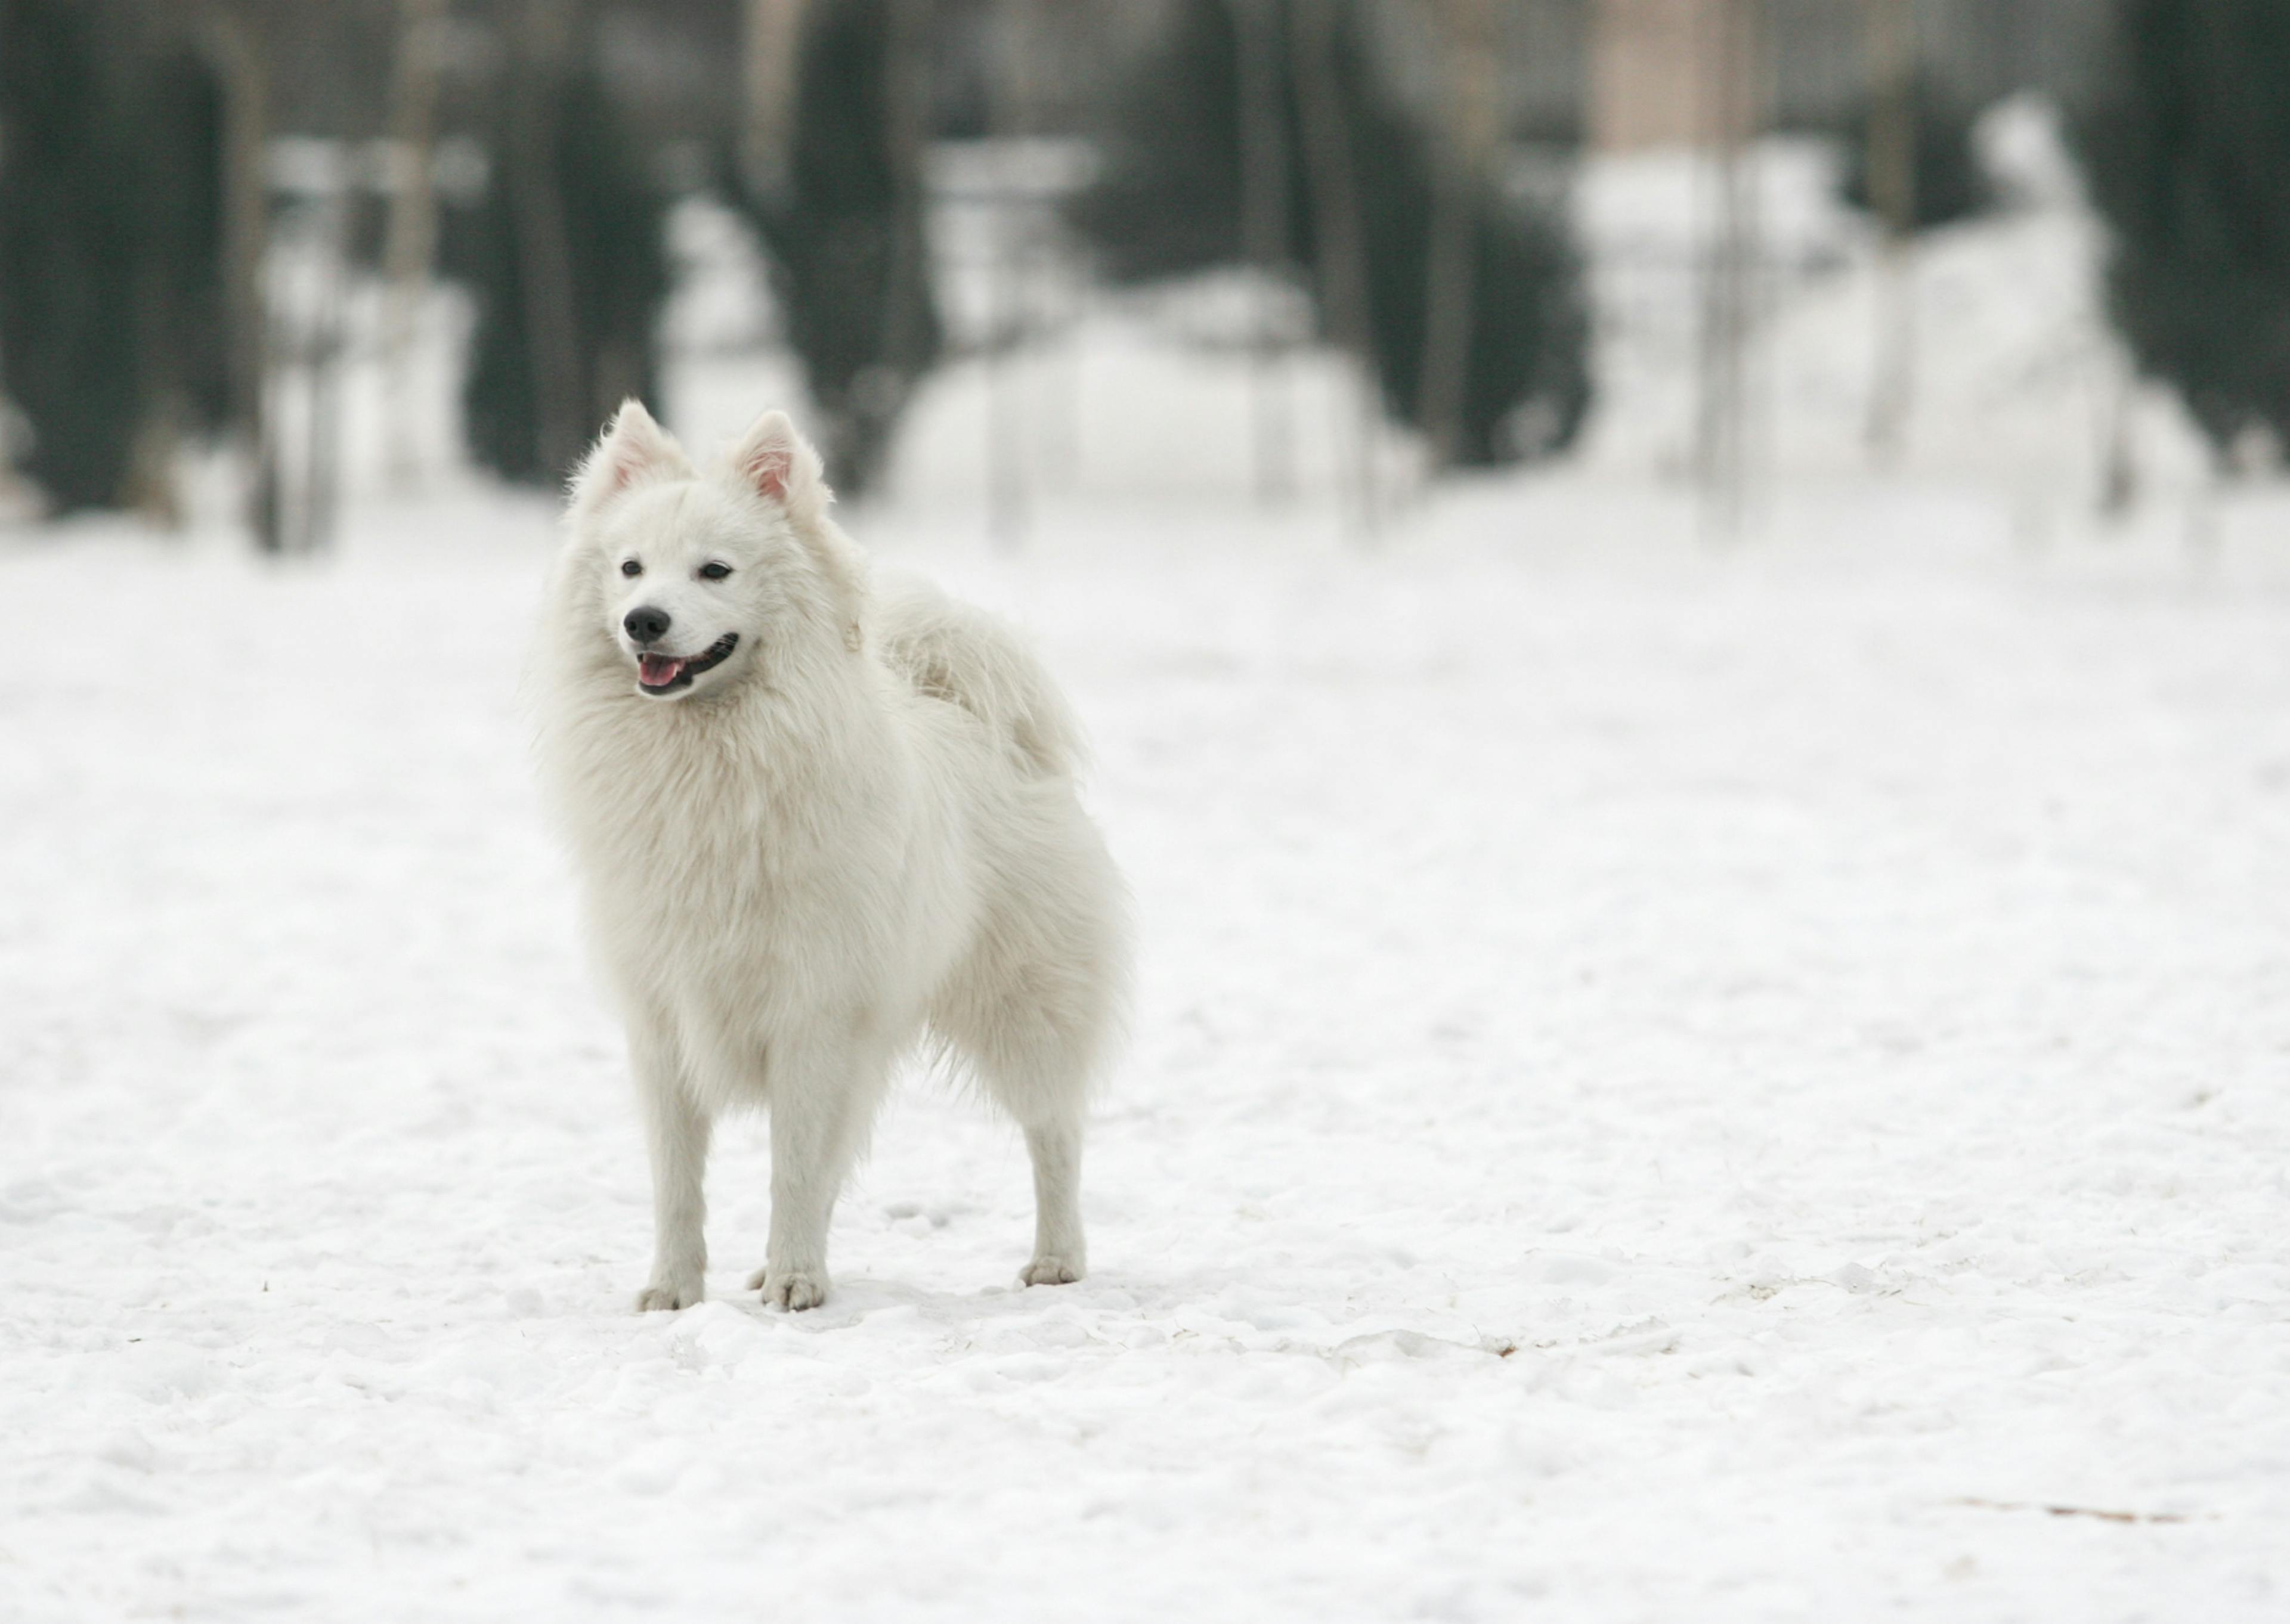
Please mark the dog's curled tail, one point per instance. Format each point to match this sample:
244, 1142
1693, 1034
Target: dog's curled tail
949, 650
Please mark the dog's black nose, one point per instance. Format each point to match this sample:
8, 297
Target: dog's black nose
646, 625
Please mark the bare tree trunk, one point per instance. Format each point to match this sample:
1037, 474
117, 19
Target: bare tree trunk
1462, 159
328, 338
1264, 182
770, 52
151, 487
906, 113
562, 408
412, 231
1891, 49
1012, 117
235, 50
1338, 238
2118, 463
1731, 55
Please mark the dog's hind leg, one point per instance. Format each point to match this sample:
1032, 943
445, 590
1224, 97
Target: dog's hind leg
1033, 1051
1035, 1005
1060, 1255
677, 1132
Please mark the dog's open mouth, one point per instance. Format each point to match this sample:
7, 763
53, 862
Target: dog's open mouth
665, 674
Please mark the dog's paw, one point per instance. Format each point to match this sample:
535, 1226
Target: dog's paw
792, 1289
1050, 1269
657, 1298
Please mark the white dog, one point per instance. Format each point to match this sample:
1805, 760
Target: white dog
817, 827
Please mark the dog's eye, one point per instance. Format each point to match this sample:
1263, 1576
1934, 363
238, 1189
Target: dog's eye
629, 566
715, 571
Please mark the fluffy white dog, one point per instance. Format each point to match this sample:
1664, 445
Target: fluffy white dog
818, 827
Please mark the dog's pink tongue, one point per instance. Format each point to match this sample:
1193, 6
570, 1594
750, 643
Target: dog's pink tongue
652, 670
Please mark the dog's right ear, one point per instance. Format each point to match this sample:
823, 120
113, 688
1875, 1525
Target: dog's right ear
634, 449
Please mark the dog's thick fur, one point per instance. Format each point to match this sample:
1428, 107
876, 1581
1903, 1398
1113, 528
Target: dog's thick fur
856, 833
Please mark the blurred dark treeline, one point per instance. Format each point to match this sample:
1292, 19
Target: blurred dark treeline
142, 188
1397, 165
133, 315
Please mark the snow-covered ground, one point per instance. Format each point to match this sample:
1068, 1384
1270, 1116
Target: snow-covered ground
1669, 1083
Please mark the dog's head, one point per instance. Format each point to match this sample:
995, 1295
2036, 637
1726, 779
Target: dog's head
694, 581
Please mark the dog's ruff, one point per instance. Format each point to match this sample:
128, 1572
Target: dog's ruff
852, 832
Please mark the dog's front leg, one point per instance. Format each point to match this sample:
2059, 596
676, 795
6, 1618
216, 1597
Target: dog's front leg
677, 1132
814, 1100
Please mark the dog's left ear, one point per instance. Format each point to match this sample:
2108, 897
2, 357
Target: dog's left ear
778, 465
634, 448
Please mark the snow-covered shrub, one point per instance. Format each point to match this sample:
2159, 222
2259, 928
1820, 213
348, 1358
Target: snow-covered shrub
2186, 148
110, 305
850, 261
1169, 203
609, 215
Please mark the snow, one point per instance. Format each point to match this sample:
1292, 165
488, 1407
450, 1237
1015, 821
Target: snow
2016, 381
1665, 1084
1668, 1082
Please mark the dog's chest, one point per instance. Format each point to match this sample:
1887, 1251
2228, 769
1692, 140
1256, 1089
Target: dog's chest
714, 837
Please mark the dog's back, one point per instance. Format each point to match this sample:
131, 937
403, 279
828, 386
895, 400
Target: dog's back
948, 651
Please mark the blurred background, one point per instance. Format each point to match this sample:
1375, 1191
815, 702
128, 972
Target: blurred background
265, 262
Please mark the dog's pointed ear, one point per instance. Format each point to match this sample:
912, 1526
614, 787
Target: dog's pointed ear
778, 465
634, 448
